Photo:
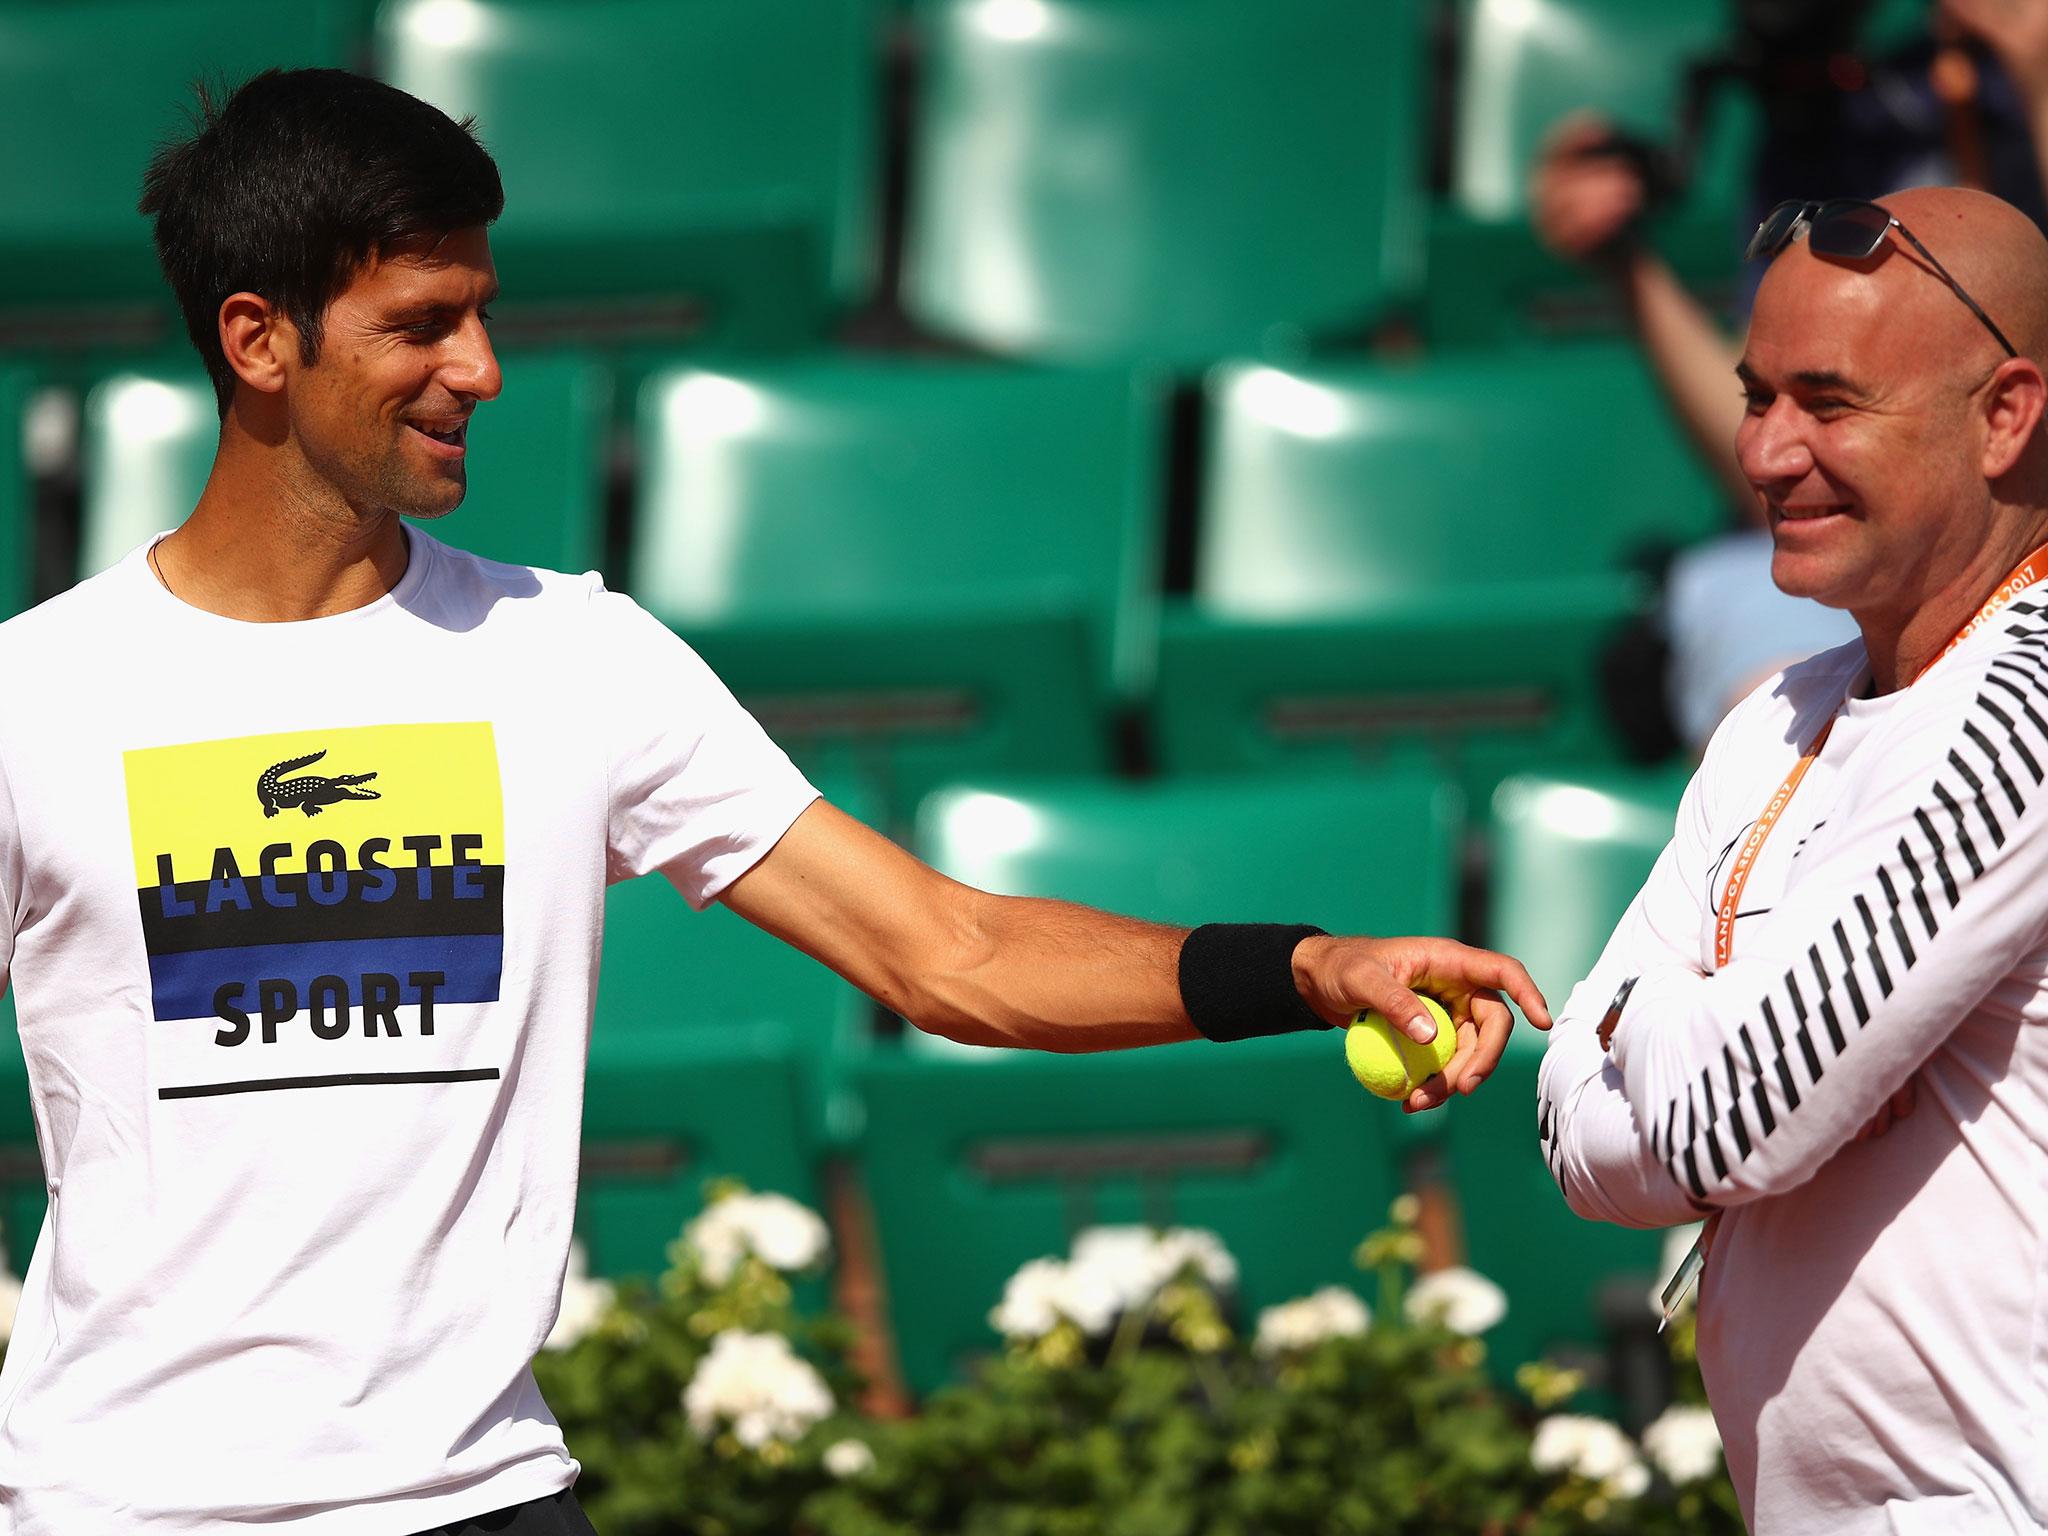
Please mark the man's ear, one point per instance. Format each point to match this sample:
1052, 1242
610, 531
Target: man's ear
2012, 412
259, 341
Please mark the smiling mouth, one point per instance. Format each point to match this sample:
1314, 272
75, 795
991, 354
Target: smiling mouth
447, 437
1807, 514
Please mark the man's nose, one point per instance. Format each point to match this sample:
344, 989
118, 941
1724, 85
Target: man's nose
1771, 448
471, 368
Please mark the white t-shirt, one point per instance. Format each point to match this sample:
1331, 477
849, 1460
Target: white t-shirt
303, 925
1873, 1315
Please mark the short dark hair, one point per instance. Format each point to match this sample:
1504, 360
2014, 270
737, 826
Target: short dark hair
292, 184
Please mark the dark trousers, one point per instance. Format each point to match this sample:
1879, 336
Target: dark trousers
556, 1516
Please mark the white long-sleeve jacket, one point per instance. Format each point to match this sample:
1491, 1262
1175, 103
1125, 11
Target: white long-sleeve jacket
1874, 1315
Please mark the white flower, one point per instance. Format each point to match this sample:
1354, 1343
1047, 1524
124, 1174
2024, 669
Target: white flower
1590, 1448
1631, 1482
756, 1381
584, 1302
774, 1228
1136, 1262
1047, 1290
1684, 1443
1112, 1270
848, 1458
1461, 1299
1678, 1243
1329, 1313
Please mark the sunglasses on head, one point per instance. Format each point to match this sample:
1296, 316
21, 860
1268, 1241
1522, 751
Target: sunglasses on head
1850, 229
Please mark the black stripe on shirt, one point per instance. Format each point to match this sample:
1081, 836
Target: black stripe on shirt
1990, 751
1735, 1126
1897, 923
1758, 1093
1920, 901
1849, 981
2012, 730
1870, 951
1955, 811
2003, 727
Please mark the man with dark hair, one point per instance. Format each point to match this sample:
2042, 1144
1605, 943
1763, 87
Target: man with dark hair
308, 1090
294, 186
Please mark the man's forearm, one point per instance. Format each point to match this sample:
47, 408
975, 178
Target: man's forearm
1054, 976
1592, 1141
1693, 361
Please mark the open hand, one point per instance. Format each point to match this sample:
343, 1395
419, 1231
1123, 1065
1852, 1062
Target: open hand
1580, 200
1341, 976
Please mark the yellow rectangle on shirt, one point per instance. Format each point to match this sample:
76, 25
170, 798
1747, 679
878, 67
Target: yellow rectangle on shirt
190, 800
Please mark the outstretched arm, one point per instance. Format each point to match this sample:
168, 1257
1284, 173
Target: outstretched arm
1051, 975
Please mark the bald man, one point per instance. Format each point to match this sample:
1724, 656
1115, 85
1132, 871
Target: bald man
1817, 1024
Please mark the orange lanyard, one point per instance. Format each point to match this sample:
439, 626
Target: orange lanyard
2017, 580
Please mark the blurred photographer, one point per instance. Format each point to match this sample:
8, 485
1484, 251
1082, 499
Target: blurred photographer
1965, 101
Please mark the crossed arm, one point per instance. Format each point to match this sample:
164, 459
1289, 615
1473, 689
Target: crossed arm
1055, 976
1920, 899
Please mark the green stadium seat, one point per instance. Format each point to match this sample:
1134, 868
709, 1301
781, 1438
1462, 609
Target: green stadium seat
976, 1161
1420, 561
665, 1113
718, 1051
17, 509
1524, 64
720, 153
1356, 854
1568, 855
919, 570
1092, 178
536, 463
668, 971
537, 466
88, 89
148, 440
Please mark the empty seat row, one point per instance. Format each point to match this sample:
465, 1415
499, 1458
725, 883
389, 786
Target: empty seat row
916, 570
1087, 178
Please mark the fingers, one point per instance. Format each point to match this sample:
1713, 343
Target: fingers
1481, 970
1890, 1112
1578, 209
1374, 987
1575, 133
1893, 1110
1455, 1070
1482, 1037
1579, 199
1346, 975
1904, 1101
1482, 1042
1433, 1092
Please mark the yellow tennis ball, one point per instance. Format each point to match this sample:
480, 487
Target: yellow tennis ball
1390, 1064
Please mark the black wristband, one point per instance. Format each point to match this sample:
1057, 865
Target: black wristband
1237, 980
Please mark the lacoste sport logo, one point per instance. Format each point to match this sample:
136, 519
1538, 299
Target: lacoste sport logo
358, 953
309, 791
